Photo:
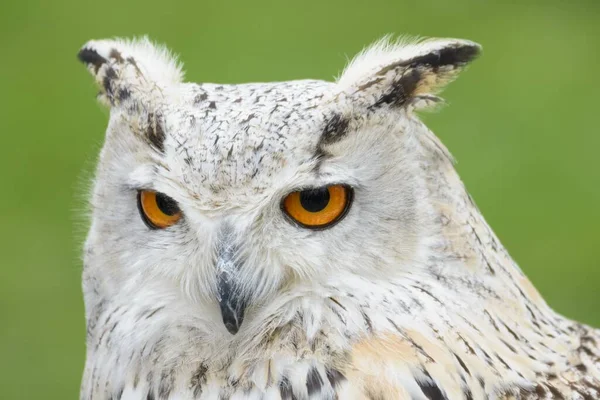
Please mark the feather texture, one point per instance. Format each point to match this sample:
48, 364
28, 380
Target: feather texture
409, 296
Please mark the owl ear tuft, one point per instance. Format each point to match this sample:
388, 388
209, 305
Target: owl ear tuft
127, 69
405, 74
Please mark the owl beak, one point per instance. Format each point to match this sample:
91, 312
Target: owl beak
232, 305
231, 301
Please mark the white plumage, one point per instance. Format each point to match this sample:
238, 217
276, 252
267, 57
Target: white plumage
210, 274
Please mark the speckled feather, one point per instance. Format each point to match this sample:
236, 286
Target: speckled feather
410, 296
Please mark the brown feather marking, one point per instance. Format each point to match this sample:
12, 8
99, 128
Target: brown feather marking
372, 356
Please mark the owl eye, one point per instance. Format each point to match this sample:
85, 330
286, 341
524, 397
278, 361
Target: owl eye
318, 208
158, 210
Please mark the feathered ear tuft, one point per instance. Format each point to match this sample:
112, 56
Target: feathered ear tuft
404, 73
126, 68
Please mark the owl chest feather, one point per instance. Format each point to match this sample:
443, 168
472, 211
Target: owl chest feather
341, 346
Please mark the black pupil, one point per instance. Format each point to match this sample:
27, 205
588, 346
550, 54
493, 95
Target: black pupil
166, 204
314, 200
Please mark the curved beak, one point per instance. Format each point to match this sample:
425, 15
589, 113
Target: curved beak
231, 300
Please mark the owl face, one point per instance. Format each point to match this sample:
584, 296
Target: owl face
213, 200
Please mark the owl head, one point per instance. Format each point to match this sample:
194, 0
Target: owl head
217, 201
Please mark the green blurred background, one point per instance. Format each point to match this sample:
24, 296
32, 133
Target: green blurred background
523, 123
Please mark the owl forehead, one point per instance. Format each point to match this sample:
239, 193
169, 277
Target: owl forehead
228, 138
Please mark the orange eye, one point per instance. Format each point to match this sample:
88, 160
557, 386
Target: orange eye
318, 208
158, 210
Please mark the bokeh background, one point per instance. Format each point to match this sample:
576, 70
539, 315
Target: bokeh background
522, 122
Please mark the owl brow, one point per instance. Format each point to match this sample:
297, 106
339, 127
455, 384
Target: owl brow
336, 127
154, 133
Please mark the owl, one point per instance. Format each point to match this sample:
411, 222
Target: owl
303, 240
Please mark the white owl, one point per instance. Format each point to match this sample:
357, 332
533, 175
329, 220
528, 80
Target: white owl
303, 240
